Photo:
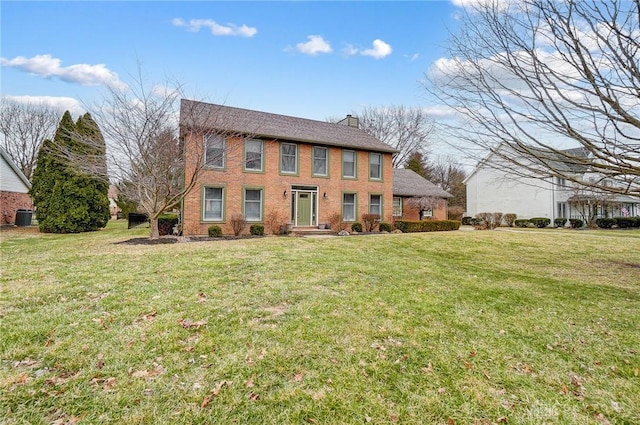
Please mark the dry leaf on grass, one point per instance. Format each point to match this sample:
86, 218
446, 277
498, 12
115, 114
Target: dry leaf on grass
190, 324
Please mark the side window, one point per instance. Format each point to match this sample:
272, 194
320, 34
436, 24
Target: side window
213, 204
253, 153
320, 161
375, 166
253, 204
289, 158
349, 164
349, 207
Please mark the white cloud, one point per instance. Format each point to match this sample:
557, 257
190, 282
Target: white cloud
379, 50
412, 57
194, 25
49, 67
60, 103
315, 45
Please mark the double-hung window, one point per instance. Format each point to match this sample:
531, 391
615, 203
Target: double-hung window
375, 204
253, 204
289, 158
253, 153
349, 164
349, 207
213, 204
397, 206
214, 154
375, 166
320, 161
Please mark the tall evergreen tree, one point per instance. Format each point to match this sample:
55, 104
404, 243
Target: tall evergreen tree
50, 169
69, 197
417, 163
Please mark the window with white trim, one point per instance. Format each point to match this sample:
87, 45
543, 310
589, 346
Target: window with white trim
213, 204
289, 158
397, 206
349, 207
375, 166
253, 204
320, 161
253, 149
214, 153
349, 164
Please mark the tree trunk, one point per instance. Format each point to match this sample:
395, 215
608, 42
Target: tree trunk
153, 224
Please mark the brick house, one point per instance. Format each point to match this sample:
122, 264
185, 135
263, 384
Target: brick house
261, 164
14, 189
408, 188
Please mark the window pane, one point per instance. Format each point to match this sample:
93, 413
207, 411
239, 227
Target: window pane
253, 155
349, 207
348, 164
375, 204
289, 160
213, 203
375, 166
320, 161
253, 204
397, 207
214, 151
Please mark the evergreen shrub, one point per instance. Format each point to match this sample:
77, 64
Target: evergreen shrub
214, 231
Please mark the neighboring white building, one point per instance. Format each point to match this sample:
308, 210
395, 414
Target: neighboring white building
495, 189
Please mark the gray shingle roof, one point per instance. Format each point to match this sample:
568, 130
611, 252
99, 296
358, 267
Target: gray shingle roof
409, 183
245, 121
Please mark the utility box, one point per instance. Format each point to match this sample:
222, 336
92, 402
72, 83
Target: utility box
23, 217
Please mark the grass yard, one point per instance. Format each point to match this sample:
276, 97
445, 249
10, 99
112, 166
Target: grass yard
516, 327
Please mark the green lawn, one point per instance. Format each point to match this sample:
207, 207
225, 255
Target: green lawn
517, 327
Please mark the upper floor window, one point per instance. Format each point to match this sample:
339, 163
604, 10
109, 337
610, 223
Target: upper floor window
375, 166
349, 164
320, 161
213, 204
289, 158
561, 182
253, 152
214, 145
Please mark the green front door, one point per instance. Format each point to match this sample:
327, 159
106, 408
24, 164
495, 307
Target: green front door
304, 209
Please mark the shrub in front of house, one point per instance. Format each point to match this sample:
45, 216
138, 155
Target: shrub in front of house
576, 223
509, 219
540, 222
370, 221
467, 220
336, 224
605, 223
412, 226
256, 229
238, 223
385, 227
522, 222
356, 227
214, 231
559, 222
166, 223
627, 222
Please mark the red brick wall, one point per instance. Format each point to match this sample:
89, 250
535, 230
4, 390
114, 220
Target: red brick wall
275, 184
12, 201
409, 212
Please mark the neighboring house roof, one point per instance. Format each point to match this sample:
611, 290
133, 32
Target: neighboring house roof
245, 121
409, 183
11, 174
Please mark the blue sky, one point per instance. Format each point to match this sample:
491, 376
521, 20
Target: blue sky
308, 59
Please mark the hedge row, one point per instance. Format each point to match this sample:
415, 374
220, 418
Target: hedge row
411, 226
621, 222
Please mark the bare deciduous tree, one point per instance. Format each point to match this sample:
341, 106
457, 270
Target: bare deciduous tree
405, 129
529, 76
449, 175
23, 128
141, 124
425, 203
